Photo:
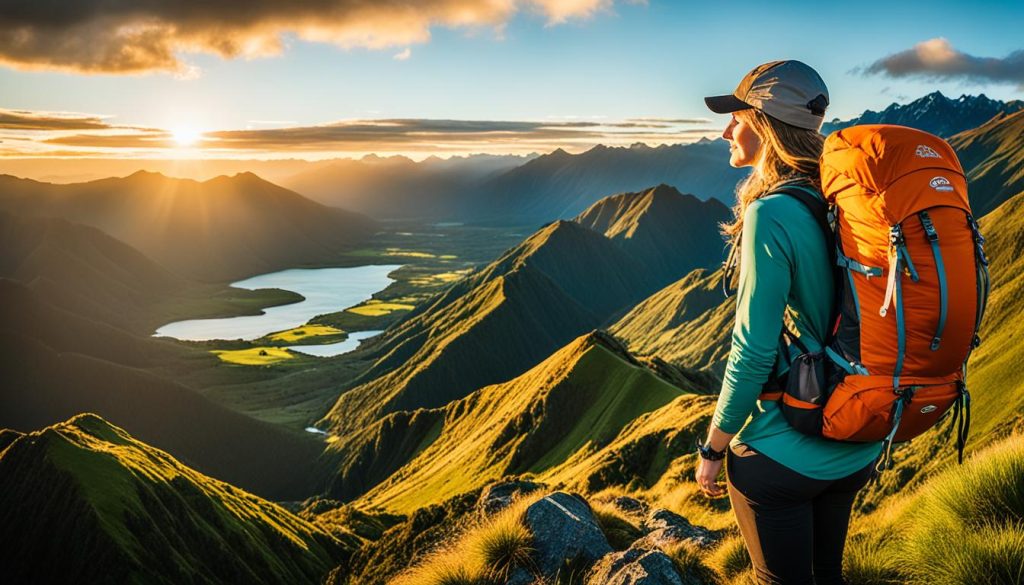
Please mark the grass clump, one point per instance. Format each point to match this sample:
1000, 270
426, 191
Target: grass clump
485, 554
730, 559
617, 527
686, 556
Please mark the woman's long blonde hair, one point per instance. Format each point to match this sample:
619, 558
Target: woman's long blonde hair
786, 153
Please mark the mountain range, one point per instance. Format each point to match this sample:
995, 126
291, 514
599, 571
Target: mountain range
217, 231
934, 113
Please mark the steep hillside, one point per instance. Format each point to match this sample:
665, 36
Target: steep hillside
83, 501
934, 113
688, 323
561, 281
670, 232
554, 415
218, 230
560, 185
993, 156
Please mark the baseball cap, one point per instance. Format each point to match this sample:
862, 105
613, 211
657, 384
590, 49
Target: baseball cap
790, 91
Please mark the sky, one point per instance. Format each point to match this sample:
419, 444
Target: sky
324, 78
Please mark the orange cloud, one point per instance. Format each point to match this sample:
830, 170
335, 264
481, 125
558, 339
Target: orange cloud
123, 36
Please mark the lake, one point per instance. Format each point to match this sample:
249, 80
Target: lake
326, 290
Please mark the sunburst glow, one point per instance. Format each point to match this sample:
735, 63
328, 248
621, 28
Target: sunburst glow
186, 135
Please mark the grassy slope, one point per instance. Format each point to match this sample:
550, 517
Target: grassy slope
82, 501
569, 406
495, 324
687, 323
993, 156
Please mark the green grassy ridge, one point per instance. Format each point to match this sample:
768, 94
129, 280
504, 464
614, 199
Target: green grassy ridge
127, 512
993, 157
520, 426
687, 323
559, 282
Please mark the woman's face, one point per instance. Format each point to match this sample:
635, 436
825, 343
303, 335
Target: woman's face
744, 143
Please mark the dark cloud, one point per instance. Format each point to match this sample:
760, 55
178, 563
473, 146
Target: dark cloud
136, 36
23, 120
938, 59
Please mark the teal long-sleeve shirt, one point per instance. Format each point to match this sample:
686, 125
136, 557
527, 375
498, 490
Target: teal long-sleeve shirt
784, 267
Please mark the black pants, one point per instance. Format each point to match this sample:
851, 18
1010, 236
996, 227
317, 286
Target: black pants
794, 526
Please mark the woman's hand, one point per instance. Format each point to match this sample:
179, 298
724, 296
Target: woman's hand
707, 470
707, 474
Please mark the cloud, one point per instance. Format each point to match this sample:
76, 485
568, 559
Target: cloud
397, 135
938, 59
128, 36
25, 120
404, 55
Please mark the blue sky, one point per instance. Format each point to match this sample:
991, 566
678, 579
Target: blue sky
636, 60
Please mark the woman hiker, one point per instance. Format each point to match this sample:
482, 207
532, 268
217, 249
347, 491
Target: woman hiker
792, 493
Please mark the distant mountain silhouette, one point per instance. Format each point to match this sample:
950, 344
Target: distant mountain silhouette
993, 157
219, 230
934, 113
82, 501
397, 187
507, 316
560, 185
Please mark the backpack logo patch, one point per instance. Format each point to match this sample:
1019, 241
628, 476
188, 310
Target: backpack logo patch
925, 151
941, 184
929, 408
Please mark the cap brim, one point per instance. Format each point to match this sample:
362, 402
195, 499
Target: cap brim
725, 104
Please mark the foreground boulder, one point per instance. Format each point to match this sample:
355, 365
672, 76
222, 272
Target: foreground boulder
565, 532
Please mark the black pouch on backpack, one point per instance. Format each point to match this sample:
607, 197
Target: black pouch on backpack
806, 388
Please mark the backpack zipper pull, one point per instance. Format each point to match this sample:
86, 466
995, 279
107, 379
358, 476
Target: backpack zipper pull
895, 239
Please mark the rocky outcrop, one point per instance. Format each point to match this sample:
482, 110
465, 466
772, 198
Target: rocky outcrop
498, 496
565, 532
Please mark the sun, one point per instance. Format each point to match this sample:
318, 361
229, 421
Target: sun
186, 135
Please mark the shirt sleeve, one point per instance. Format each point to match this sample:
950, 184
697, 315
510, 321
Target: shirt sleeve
764, 283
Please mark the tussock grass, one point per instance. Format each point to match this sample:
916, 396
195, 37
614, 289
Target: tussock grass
688, 560
730, 559
485, 554
618, 528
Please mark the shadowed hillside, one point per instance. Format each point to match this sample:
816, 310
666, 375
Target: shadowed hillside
218, 230
57, 364
670, 232
83, 501
993, 156
561, 185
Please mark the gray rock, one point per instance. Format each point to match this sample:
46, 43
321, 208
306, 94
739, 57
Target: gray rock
564, 529
629, 505
665, 527
635, 566
498, 496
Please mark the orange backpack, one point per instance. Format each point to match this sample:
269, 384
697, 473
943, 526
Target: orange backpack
912, 286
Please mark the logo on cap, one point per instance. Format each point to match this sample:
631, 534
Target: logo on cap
941, 184
925, 151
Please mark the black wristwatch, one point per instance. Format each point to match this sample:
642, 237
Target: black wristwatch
708, 453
